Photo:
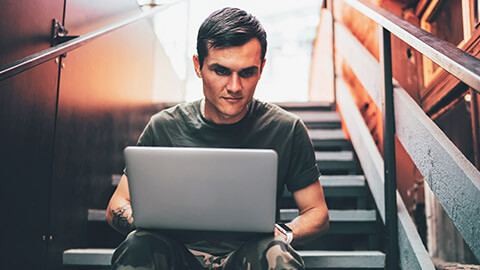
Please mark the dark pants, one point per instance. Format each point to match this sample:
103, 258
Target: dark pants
148, 250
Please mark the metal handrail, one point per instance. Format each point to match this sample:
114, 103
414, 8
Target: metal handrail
457, 62
38, 58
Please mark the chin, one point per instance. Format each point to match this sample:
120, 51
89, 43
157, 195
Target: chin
231, 114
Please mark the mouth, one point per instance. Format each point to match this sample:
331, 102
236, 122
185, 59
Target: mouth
232, 99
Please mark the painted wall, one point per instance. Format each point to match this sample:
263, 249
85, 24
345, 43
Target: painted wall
65, 124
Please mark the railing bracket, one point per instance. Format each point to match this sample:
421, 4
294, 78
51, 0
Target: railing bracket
66, 43
59, 34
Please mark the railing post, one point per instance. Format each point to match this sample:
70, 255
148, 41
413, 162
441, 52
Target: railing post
391, 216
329, 4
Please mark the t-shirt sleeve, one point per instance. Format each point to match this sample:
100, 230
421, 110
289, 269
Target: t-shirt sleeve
303, 169
145, 139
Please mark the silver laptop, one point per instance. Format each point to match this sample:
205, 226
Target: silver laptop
203, 189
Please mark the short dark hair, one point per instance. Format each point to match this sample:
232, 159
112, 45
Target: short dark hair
229, 27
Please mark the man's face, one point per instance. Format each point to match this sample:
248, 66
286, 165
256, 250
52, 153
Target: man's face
229, 77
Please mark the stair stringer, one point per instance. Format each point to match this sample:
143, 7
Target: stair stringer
413, 254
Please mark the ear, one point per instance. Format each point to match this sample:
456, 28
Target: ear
263, 65
196, 66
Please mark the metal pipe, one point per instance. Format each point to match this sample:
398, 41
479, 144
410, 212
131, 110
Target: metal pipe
334, 107
474, 114
457, 62
391, 216
38, 58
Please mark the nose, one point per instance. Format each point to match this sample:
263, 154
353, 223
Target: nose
234, 84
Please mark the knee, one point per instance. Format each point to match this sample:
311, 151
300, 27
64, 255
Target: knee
274, 245
265, 253
140, 248
132, 252
276, 252
134, 239
143, 240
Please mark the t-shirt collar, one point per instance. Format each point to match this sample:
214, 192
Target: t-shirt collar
201, 106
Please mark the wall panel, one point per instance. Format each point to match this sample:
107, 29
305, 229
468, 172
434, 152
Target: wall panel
26, 26
105, 87
27, 119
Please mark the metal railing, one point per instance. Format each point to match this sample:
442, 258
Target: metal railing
458, 63
390, 170
38, 58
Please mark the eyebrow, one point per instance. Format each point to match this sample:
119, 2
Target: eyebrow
215, 65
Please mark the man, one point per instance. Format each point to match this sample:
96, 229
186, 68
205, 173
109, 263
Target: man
231, 47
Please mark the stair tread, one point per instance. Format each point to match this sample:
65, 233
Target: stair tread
88, 256
335, 253
339, 186
318, 116
334, 156
299, 105
326, 134
342, 180
325, 180
312, 258
357, 215
285, 214
89, 251
343, 259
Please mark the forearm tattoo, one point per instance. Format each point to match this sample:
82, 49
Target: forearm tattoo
122, 219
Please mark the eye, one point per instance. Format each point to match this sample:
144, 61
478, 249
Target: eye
222, 71
247, 73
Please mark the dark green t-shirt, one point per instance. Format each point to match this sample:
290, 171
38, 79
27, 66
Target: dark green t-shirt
265, 126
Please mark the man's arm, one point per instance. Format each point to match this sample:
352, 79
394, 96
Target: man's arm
119, 210
313, 218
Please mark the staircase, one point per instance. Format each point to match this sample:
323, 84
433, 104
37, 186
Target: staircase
354, 238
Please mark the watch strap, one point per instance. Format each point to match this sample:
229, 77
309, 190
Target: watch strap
283, 228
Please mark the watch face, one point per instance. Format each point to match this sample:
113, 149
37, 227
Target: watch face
285, 227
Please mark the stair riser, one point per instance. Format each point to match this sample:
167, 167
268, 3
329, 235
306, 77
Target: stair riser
323, 125
336, 192
331, 145
312, 259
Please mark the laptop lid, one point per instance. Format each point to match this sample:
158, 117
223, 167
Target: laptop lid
202, 189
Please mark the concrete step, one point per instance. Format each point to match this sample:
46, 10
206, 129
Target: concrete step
325, 139
98, 215
326, 134
339, 186
306, 106
351, 222
341, 221
336, 215
333, 185
88, 256
320, 119
343, 185
312, 258
343, 259
336, 161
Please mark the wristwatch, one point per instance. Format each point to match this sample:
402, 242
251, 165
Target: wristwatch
285, 230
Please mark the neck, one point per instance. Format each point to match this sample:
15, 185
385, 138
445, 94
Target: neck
220, 118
